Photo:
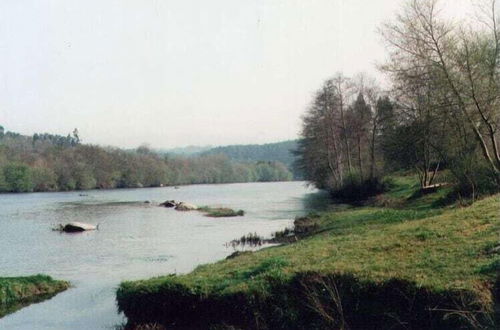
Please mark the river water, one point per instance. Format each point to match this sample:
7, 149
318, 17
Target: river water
135, 240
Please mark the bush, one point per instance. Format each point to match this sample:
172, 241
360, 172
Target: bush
474, 179
355, 189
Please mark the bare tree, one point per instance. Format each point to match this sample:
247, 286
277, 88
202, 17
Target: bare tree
343, 93
458, 66
337, 130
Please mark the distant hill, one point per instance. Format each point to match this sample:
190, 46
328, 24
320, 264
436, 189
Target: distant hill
280, 151
270, 152
185, 151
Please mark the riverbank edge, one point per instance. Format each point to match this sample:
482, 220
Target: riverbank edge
273, 294
19, 292
176, 186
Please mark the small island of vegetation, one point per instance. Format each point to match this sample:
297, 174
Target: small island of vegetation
17, 292
220, 212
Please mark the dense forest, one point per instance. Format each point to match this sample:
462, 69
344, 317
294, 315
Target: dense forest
47, 162
282, 152
440, 117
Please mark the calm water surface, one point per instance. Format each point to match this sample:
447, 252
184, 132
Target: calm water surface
134, 241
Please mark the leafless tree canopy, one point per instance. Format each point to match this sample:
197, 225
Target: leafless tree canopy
441, 112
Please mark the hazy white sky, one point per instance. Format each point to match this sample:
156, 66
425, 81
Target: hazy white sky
175, 73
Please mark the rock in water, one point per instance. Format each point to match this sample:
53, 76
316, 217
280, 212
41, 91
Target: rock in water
185, 207
74, 227
168, 203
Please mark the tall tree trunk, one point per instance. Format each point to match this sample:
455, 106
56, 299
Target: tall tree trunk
372, 149
431, 180
360, 162
346, 139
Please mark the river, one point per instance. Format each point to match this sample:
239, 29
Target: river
135, 240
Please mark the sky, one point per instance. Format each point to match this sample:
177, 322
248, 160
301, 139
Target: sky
173, 73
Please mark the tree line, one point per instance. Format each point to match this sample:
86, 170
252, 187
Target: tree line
47, 162
441, 113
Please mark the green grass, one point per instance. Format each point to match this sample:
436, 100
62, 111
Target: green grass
435, 254
220, 212
17, 292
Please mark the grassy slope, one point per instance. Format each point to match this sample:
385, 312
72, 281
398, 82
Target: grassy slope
437, 250
16, 292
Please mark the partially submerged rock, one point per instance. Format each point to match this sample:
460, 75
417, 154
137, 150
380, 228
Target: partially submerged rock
182, 206
302, 227
170, 203
74, 227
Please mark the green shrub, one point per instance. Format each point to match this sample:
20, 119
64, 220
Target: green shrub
356, 189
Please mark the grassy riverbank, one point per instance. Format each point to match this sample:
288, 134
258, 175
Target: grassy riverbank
17, 292
406, 260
